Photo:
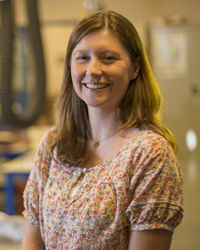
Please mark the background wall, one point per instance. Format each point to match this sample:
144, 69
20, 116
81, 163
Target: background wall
143, 10
59, 17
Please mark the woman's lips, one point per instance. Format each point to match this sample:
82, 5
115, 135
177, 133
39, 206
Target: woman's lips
96, 85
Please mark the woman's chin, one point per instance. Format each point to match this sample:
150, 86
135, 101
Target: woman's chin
95, 102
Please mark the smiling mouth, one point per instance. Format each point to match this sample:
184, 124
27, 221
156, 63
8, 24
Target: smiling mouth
96, 86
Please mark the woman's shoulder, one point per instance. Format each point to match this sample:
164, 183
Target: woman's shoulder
43, 155
148, 140
152, 152
49, 136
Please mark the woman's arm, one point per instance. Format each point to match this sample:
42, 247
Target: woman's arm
32, 239
157, 239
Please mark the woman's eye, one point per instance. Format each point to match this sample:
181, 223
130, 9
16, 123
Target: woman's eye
110, 58
82, 58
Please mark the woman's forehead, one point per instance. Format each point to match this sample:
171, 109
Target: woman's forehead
102, 36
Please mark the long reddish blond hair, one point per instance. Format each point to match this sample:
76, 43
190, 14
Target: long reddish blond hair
139, 107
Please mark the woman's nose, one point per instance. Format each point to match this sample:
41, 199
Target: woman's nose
94, 67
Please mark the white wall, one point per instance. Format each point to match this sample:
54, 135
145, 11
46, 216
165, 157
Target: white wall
142, 10
55, 37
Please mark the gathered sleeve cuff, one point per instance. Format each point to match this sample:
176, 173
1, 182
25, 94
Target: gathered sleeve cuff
155, 216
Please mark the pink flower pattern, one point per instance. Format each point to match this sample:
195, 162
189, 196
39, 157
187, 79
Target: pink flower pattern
139, 188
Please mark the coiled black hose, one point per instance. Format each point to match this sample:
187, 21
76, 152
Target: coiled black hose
36, 99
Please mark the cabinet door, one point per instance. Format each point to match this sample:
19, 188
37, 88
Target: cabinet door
174, 52
194, 80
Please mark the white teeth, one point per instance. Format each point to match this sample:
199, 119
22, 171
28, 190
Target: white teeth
96, 86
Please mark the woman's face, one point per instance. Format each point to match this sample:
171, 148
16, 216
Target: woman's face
101, 70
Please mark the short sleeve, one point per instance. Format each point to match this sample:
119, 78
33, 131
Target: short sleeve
156, 195
33, 192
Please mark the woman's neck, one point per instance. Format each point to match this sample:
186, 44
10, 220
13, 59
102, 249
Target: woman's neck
103, 122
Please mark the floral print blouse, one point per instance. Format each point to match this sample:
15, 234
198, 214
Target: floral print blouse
139, 188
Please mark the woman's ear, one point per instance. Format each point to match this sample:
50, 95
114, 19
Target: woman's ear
136, 68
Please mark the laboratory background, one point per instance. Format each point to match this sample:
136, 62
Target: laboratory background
33, 40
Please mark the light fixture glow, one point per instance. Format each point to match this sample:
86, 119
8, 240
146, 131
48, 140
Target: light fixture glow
191, 140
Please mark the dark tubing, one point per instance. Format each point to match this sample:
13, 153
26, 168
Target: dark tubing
36, 100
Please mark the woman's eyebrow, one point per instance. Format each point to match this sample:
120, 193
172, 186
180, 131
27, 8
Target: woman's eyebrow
80, 50
100, 51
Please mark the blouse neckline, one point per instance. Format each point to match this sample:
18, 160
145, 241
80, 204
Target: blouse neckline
106, 162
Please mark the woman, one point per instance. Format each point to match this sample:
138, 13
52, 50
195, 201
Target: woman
107, 176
